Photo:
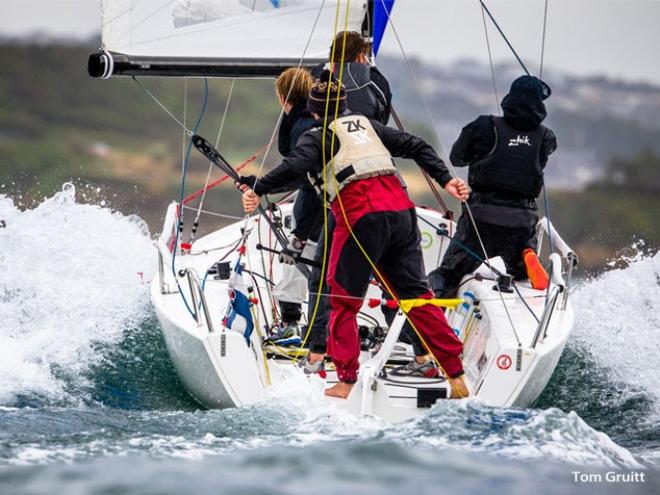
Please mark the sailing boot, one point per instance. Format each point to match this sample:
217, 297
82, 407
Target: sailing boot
313, 368
288, 335
426, 369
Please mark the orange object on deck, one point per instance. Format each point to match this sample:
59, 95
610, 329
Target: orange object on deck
535, 271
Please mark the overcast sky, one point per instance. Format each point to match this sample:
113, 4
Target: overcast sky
618, 38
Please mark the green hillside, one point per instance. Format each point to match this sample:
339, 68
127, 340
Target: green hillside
110, 138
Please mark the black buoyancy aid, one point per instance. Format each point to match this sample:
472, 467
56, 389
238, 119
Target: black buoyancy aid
363, 95
361, 155
513, 165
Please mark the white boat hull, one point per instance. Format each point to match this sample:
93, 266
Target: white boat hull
220, 370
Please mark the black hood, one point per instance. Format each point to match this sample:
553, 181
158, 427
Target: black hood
523, 111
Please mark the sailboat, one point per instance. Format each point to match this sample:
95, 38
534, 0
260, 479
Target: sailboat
213, 296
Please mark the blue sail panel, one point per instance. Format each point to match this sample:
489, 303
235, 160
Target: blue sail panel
382, 10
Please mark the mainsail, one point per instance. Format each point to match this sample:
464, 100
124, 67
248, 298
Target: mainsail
229, 38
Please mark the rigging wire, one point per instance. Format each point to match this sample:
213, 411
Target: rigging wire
546, 203
167, 111
214, 213
545, 24
373, 266
272, 138
324, 260
504, 37
447, 159
208, 174
542, 57
490, 59
184, 170
281, 114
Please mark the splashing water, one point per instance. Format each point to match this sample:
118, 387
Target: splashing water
86, 377
618, 322
70, 283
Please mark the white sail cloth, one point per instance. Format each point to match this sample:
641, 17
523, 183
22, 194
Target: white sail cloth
225, 29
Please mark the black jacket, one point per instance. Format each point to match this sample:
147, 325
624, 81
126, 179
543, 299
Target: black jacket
307, 157
368, 91
307, 209
293, 125
522, 112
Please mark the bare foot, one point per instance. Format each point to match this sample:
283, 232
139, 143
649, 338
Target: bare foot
459, 389
341, 390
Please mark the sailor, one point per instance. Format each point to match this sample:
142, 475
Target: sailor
368, 202
368, 93
506, 157
291, 89
367, 89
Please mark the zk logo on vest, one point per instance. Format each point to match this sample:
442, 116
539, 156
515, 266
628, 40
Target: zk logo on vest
357, 131
518, 140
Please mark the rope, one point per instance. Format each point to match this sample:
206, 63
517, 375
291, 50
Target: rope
484, 261
545, 24
167, 111
427, 178
310, 324
490, 59
219, 181
184, 170
515, 54
448, 161
341, 205
293, 82
208, 174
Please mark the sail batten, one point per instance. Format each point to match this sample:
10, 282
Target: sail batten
218, 38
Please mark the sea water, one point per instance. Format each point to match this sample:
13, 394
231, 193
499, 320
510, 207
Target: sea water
90, 403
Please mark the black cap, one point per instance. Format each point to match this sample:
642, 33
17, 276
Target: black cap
325, 88
531, 84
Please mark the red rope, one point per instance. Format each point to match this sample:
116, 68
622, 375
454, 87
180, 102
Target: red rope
213, 184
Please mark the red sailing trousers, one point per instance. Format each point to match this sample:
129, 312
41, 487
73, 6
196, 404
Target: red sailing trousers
383, 219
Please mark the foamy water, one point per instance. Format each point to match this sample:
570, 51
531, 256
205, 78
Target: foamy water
85, 376
618, 322
70, 281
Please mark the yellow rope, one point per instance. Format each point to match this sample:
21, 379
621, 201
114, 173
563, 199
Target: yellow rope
255, 317
341, 205
310, 324
408, 304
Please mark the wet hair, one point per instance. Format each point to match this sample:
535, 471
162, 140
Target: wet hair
294, 84
355, 46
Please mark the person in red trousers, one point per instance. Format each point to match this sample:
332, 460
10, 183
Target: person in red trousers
368, 204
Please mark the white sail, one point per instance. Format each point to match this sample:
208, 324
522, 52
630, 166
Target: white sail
225, 29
